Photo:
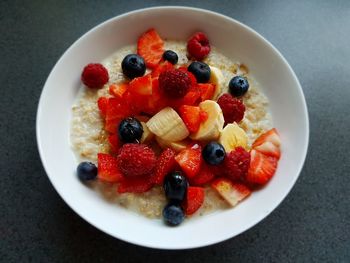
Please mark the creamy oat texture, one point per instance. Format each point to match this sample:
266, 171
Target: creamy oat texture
89, 138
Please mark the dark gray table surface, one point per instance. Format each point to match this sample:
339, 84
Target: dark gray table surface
311, 225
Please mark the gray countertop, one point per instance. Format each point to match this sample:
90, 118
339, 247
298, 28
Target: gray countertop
311, 225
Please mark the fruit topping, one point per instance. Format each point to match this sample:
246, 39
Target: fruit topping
86, 171
194, 199
238, 86
102, 105
151, 47
200, 70
268, 148
204, 176
206, 90
135, 185
165, 163
191, 117
213, 153
175, 187
190, 160
94, 75
174, 83
133, 66
118, 90
114, 143
136, 160
170, 56
108, 170
147, 135
217, 79
115, 112
173, 214
237, 164
233, 136
232, 108
269, 136
198, 46
130, 130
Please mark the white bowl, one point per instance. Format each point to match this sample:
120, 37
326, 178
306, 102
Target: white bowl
233, 39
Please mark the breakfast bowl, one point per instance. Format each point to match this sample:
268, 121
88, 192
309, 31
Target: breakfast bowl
236, 41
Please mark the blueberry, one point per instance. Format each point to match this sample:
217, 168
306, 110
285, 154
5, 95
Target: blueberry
86, 171
213, 153
175, 187
130, 130
173, 214
238, 86
200, 70
133, 66
170, 56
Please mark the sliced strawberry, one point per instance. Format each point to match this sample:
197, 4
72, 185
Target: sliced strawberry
191, 117
233, 193
166, 162
108, 168
194, 199
117, 90
261, 169
163, 66
205, 176
151, 47
268, 148
190, 160
114, 142
203, 115
141, 85
102, 105
135, 185
206, 90
116, 110
269, 136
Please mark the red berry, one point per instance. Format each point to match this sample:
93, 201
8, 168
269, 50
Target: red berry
174, 83
190, 160
94, 75
205, 176
136, 159
166, 162
237, 164
198, 46
102, 105
108, 170
150, 46
232, 108
135, 185
194, 199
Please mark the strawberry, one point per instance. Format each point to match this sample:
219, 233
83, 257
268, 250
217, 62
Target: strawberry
191, 117
135, 185
268, 148
190, 160
114, 142
166, 162
141, 85
233, 193
203, 116
102, 105
194, 199
117, 90
206, 90
262, 167
151, 47
163, 66
203, 177
108, 168
269, 136
116, 110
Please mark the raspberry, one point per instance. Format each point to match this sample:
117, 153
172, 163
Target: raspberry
198, 46
94, 75
136, 160
232, 108
237, 164
174, 83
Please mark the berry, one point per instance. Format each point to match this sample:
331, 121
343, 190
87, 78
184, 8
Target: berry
213, 153
116, 110
86, 171
206, 90
203, 177
114, 142
175, 187
170, 56
130, 130
198, 46
108, 170
94, 75
136, 159
232, 108
194, 199
238, 86
166, 162
200, 70
269, 136
133, 66
151, 47
237, 164
174, 83
141, 85
164, 66
118, 90
190, 160
135, 185
191, 117
173, 214
102, 105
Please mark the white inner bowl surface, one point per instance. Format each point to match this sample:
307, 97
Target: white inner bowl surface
231, 38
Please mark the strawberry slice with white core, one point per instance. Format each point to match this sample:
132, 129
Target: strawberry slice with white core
270, 149
269, 136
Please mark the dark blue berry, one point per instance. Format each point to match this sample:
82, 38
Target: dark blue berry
133, 66
170, 56
238, 86
213, 153
86, 171
130, 130
200, 70
173, 214
175, 187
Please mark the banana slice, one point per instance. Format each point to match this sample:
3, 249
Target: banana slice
168, 125
176, 146
211, 128
233, 136
217, 78
147, 135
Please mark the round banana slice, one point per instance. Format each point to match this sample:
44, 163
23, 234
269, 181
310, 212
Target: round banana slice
176, 146
217, 78
233, 136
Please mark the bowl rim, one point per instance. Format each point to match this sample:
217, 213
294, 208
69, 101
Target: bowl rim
45, 162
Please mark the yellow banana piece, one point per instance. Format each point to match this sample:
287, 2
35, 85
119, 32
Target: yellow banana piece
233, 136
147, 135
217, 78
176, 146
